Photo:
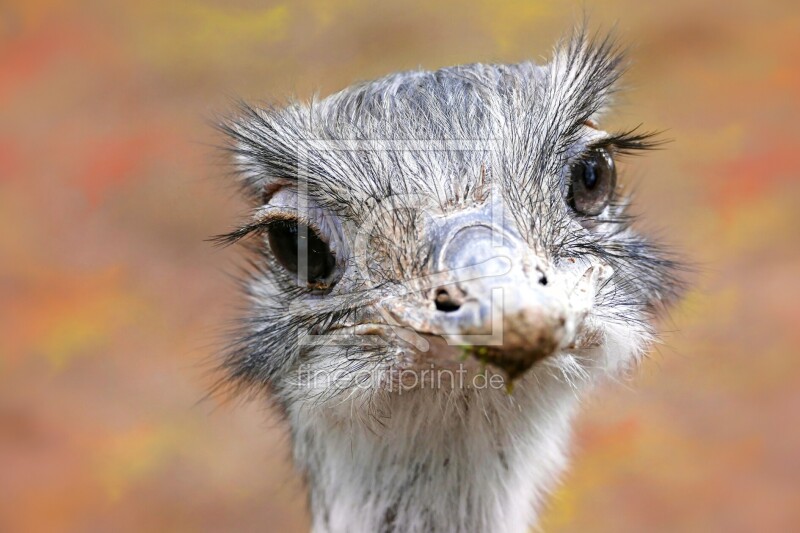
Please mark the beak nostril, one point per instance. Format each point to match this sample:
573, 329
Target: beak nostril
444, 302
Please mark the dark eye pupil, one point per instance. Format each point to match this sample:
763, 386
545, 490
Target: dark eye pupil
589, 175
289, 241
592, 182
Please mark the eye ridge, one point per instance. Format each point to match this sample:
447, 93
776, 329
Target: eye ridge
592, 181
285, 239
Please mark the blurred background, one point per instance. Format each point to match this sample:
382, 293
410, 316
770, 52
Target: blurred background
112, 304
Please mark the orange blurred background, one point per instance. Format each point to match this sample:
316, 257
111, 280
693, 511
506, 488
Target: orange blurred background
111, 303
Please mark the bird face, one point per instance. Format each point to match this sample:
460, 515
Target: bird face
468, 218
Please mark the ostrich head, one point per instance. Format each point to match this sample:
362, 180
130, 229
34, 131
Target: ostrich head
420, 244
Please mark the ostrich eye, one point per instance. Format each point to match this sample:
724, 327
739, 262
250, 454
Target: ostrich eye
592, 182
288, 239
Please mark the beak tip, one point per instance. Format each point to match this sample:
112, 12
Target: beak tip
513, 363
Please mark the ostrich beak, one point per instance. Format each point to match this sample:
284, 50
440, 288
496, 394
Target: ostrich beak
497, 298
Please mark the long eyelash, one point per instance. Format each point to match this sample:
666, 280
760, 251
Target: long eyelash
261, 223
631, 142
227, 239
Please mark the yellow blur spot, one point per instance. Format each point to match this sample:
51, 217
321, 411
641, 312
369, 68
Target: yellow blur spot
186, 33
135, 455
506, 20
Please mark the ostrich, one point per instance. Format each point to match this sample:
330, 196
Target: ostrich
441, 266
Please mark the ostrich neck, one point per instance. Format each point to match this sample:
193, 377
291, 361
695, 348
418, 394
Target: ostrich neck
422, 462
